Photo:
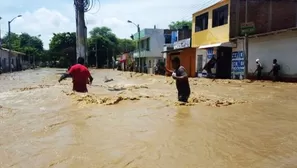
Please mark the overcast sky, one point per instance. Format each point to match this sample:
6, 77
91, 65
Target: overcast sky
48, 17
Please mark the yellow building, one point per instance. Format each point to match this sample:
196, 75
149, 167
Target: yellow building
210, 37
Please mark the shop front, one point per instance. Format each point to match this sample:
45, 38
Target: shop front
218, 60
182, 49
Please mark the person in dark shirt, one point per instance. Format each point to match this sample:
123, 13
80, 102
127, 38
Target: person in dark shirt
259, 69
275, 70
80, 76
209, 65
181, 77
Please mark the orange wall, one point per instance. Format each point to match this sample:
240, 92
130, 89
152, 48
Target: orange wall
187, 59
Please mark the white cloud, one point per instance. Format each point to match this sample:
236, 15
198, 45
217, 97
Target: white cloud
113, 14
44, 22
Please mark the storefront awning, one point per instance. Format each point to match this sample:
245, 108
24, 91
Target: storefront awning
226, 44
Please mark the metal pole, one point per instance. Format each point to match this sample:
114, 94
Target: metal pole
113, 60
107, 59
0, 46
96, 54
9, 48
246, 43
138, 30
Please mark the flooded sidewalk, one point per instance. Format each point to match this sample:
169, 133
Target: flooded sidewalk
134, 121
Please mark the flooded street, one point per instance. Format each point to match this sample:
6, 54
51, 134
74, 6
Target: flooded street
134, 121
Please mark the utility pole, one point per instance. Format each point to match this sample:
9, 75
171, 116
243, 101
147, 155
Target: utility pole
107, 59
246, 42
80, 29
0, 45
96, 53
139, 52
9, 42
113, 60
9, 47
34, 62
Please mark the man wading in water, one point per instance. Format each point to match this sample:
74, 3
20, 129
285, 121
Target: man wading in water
80, 76
181, 77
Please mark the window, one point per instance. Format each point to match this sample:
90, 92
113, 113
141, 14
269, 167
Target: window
220, 16
147, 44
167, 38
201, 22
142, 44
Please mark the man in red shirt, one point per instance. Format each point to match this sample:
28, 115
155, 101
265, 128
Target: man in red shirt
80, 76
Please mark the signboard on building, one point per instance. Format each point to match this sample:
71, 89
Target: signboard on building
247, 28
237, 65
209, 53
182, 44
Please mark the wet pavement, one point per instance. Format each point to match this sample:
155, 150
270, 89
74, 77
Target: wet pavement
135, 121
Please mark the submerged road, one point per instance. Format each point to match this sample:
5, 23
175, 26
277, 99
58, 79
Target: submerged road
135, 121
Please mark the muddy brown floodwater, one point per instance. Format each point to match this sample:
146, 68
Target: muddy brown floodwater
134, 121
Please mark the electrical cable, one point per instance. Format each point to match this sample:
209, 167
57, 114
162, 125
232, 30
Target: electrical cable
86, 6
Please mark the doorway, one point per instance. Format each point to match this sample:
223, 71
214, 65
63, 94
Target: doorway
199, 64
224, 60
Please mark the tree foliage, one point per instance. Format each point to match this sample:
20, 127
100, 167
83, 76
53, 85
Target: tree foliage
62, 49
179, 24
101, 42
30, 45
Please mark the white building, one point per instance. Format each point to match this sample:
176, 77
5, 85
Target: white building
17, 58
151, 46
275, 45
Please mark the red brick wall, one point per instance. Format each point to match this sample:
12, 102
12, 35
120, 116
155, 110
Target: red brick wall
283, 15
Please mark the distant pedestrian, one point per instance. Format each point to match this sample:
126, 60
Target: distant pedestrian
80, 76
275, 70
182, 82
259, 69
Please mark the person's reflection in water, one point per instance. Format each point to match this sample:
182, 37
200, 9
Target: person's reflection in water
183, 114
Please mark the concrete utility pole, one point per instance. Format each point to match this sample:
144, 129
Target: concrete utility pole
80, 29
139, 52
0, 46
34, 62
246, 42
9, 42
96, 54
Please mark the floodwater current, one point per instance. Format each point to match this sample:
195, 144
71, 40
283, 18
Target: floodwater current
134, 121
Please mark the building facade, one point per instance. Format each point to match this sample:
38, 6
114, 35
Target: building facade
219, 30
271, 28
183, 50
18, 60
151, 46
210, 32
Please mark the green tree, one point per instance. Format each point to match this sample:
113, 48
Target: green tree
14, 39
106, 43
62, 48
179, 24
25, 43
126, 45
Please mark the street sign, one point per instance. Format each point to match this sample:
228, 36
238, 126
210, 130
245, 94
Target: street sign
247, 28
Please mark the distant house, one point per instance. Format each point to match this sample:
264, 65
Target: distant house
151, 46
181, 48
18, 59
